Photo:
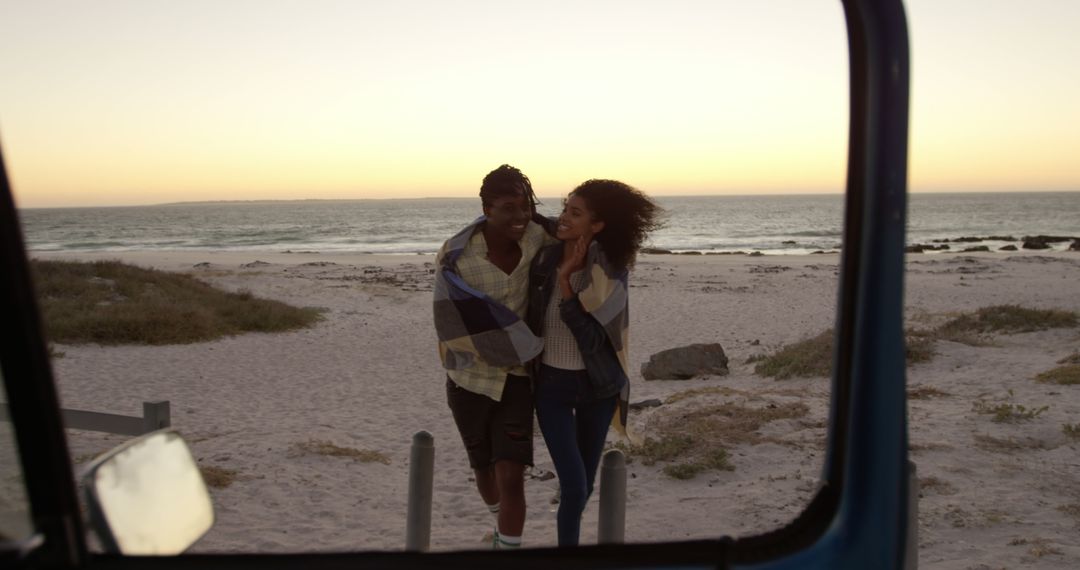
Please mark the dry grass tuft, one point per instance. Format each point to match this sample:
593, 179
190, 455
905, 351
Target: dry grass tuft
695, 392
1072, 510
918, 347
1008, 413
1008, 445
1006, 319
108, 302
807, 358
939, 486
1073, 358
925, 393
813, 357
697, 439
917, 447
1072, 431
1068, 374
322, 447
218, 477
1039, 547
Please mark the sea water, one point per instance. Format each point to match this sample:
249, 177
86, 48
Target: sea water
794, 224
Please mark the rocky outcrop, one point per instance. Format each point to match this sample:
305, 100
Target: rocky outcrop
686, 362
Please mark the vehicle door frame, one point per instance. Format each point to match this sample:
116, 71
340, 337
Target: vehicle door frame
858, 517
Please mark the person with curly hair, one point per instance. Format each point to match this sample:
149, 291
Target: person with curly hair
578, 304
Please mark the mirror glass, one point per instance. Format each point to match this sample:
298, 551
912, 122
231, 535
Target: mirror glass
148, 497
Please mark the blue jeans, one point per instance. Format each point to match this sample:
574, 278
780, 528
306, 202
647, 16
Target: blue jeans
574, 426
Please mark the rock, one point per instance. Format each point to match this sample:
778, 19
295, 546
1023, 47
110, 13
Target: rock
255, 263
1048, 239
686, 362
201, 265
688, 253
756, 254
1075, 245
789, 242
914, 249
650, 403
540, 474
654, 250
967, 240
1007, 248
976, 248
1035, 243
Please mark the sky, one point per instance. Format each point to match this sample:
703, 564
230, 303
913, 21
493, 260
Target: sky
126, 102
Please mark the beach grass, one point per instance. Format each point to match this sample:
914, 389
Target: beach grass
813, 357
1072, 431
218, 477
1066, 375
1007, 319
111, 303
804, 359
697, 440
1008, 412
924, 392
328, 449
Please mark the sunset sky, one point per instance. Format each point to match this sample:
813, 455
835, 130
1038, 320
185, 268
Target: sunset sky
152, 101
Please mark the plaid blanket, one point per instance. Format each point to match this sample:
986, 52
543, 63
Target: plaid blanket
469, 324
604, 296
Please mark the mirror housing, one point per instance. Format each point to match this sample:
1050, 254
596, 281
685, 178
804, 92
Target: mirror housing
147, 497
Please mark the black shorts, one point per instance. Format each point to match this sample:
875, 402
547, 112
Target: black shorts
494, 431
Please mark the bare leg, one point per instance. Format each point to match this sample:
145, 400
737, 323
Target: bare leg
510, 477
487, 485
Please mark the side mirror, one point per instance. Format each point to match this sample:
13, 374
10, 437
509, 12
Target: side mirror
147, 497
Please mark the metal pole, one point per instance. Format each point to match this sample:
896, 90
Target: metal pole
156, 415
421, 477
611, 528
912, 554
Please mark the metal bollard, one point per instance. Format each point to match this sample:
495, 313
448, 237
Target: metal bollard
911, 555
611, 528
156, 415
421, 477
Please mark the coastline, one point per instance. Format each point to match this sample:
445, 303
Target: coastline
368, 377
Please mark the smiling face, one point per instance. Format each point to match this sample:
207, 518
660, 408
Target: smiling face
508, 215
577, 220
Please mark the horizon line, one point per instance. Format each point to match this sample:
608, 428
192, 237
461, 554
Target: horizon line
420, 198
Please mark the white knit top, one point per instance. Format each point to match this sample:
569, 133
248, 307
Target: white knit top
560, 348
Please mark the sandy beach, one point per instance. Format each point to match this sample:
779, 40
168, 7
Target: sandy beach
367, 377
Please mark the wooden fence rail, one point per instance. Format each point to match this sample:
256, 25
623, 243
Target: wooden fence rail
156, 415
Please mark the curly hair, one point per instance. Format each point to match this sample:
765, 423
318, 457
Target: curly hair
503, 181
628, 215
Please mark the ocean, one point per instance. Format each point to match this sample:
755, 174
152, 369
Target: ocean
794, 224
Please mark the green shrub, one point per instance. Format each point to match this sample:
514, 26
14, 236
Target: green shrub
807, 358
1006, 319
813, 357
1067, 375
1008, 413
108, 302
